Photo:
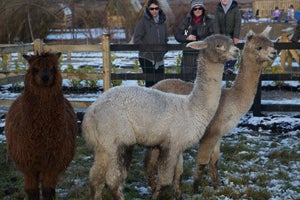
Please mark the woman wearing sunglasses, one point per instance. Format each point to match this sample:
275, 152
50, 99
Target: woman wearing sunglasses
197, 25
151, 29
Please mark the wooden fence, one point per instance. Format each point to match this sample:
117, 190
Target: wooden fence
6, 76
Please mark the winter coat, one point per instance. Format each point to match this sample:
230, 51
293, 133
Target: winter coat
296, 35
230, 23
149, 32
201, 30
187, 27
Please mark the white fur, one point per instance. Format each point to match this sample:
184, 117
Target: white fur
124, 116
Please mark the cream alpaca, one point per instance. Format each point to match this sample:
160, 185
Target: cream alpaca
125, 116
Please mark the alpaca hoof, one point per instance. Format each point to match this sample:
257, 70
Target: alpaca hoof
196, 187
215, 185
33, 194
166, 193
48, 193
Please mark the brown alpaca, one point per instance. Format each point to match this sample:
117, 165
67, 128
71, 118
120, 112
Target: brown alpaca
41, 127
234, 102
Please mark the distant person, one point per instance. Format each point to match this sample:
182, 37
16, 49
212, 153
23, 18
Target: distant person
228, 22
246, 16
257, 14
151, 29
276, 14
296, 35
291, 13
197, 25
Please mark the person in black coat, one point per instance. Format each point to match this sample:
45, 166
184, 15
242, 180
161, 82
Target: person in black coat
151, 29
195, 26
228, 21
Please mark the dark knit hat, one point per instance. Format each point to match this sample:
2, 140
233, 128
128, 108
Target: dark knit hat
151, 2
197, 3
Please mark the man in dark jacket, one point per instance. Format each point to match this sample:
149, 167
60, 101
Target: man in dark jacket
296, 35
228, 22
151, 29
195, 26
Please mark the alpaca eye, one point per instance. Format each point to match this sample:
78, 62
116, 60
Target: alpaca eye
35, 70
53, 69
259, 48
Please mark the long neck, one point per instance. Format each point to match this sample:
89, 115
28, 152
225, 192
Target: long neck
43, 98
46, 96
246, 81
207, 88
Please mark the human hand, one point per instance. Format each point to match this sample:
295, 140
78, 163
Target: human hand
236, 40
191, 38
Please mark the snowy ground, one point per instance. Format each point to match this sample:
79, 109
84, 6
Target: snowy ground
283, 129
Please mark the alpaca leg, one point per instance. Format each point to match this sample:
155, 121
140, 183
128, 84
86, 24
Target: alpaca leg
197, 177
177, 177
166, 169
48, 193
97, 174
209, 140
213, 164
49, 183
150, 164
117, 171
31, 186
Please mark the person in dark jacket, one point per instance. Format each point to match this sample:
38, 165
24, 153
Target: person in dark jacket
296, 35
197, 25
228, 22
151, 29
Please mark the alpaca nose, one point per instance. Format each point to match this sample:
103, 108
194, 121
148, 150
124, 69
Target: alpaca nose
45, 77
274, 54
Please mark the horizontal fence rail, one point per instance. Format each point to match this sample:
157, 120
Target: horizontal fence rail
7, 77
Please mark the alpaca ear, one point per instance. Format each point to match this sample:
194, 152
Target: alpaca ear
249, 35
197, 45
58, 54
266, 32
26, 57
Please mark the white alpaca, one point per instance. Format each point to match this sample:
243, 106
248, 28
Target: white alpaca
234, 102
124, 116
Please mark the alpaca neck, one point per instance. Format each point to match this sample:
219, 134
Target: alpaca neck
40, 97
246, 81
207, 87
47, 96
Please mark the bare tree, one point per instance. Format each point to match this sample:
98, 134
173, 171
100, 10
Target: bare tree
26, 20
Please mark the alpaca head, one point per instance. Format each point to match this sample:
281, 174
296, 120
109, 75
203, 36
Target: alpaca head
261, 47
216, 48
43, 72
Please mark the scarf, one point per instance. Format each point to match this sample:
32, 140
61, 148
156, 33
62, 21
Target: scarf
226, 7
156, 19
197, 19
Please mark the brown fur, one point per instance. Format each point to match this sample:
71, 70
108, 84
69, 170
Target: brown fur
234, 102
41, 127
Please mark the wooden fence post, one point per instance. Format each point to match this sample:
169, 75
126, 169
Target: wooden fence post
37, 46
287, 55
256, 106
106, 61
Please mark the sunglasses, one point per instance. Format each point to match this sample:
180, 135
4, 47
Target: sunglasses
155, 8
199, 8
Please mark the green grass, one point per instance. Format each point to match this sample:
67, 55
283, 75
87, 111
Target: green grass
249, 167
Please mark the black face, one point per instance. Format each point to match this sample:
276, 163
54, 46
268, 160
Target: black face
43, 70
44, 76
